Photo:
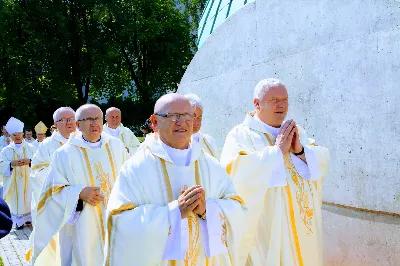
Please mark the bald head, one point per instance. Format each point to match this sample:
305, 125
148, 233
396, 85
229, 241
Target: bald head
80, 113
172, 99
89, 119
113, 117
113, 110
173, 120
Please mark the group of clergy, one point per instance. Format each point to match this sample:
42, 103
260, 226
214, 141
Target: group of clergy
96, 196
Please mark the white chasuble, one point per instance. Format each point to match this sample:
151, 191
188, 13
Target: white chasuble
283, 194
144, 220
40, 168
126, 135
16, 181
207, 143
73, 167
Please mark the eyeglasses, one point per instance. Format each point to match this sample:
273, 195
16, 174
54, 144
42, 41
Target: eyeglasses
90, 120
175, 116
66, 120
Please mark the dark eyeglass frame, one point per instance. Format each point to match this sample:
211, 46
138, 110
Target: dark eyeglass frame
179, 115
91, 120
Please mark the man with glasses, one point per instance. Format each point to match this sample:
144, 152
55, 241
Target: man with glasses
115, 128
75, 194
207, 142
64, 121
173, 203
279, 171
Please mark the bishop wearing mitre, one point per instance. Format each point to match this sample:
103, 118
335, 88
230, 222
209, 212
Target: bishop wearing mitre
40, 130
15, 167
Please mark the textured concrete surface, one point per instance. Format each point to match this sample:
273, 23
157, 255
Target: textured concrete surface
340, 61
14, 246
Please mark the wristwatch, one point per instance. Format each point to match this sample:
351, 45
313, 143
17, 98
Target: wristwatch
203, 216
300, 153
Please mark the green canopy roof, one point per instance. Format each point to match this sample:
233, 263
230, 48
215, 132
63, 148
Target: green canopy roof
214, 14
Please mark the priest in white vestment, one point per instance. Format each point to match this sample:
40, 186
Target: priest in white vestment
64, 121
15, 167
207, 142
5, 139
279, 172
115, 128
29, 136
75, 193
173, 203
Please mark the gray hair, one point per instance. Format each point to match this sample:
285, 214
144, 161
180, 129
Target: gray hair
83, 108
59, 110
265, 84
194, 100
112, 109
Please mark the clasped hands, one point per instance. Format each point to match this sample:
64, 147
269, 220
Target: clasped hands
21, 162
288, 139
192, 199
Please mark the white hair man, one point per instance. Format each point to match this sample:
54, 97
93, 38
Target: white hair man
15, 168
278, 171
206, 141
76, 190
169, 194
64, 121
115, 128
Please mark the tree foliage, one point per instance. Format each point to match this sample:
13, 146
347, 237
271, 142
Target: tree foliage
68, 52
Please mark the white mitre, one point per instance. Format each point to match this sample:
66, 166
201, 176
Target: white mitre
14, 126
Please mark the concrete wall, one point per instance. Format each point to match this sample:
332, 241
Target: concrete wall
340, 61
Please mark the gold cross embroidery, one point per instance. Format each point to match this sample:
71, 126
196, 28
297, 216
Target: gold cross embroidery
104, 178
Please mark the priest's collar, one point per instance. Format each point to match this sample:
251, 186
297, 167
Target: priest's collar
79, 141
253, 122
178, 157
15, 146
159, 149
60, 138
118, 130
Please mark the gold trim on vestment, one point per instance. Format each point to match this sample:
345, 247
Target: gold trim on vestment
98, 207
50, 192
40, 165
208, 147
28, 255
193, 223
125, 207
237, 198
269, 139
111, 162
293, 225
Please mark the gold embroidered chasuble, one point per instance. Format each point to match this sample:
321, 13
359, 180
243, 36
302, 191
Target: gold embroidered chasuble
138, 210
73, 167
40, 168
284, 218
17, 184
